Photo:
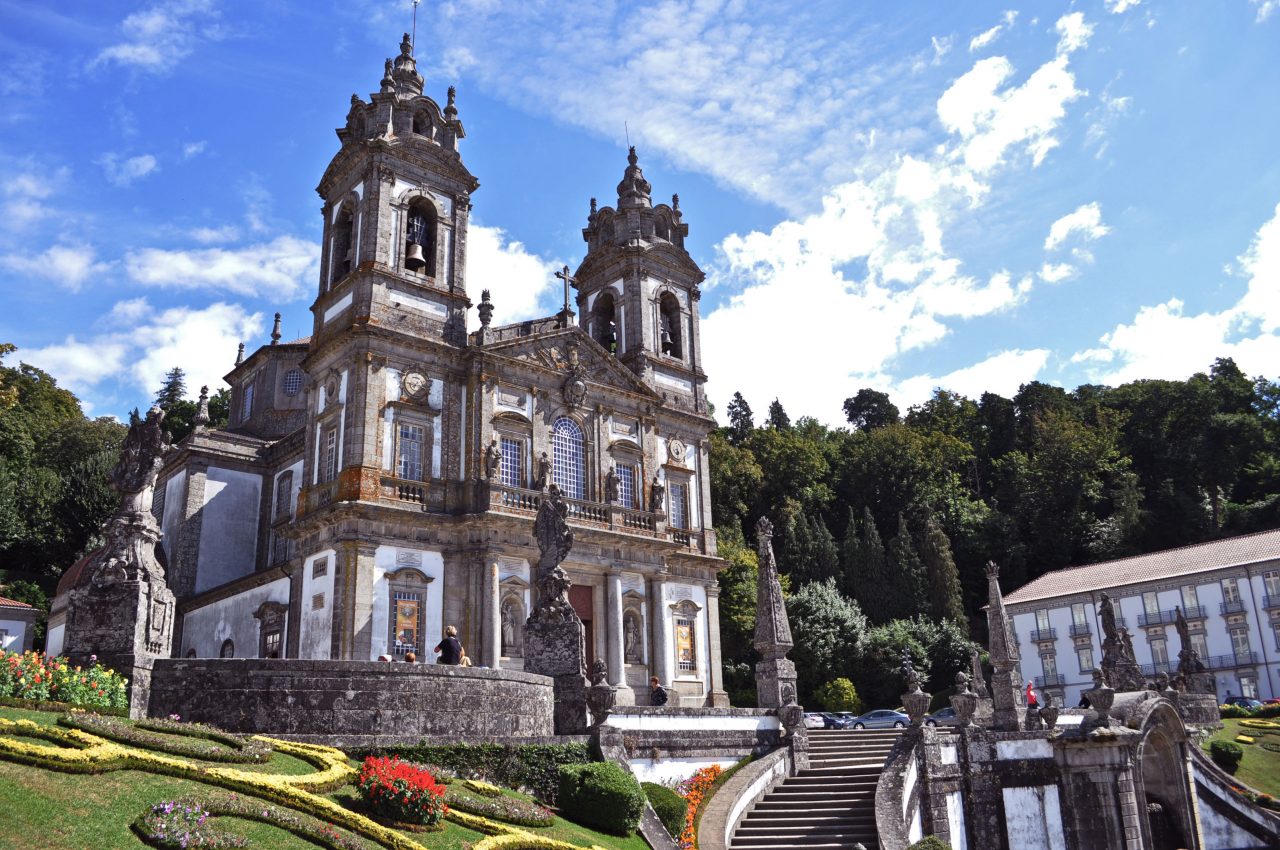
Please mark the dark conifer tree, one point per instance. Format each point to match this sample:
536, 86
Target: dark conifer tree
778, 417
906, 575
945, 601
173, 390
741, 420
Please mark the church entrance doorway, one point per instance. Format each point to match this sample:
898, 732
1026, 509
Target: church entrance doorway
580, 597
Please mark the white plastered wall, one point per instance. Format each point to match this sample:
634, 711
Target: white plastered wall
388, 559
204, 629
315, 623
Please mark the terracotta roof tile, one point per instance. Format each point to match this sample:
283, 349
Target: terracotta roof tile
6, 602
1202, 557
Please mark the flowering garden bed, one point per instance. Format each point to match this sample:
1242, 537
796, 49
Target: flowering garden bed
194, 740
56, 804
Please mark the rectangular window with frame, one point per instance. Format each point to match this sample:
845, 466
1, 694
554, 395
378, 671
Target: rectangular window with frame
246, 400
679, 505
1230, 590
1050, 666
1240, 642
1199, 644
1150, 603
1275, 627
319, 567
1271, 582
1190, 599
284, 494
1249, 687
1078, 617
1085, 657
271, 644
410, 441
626, 485
686, 648
329, 463
279, 548
1042, 619
511, 470
1160, 651
408, 622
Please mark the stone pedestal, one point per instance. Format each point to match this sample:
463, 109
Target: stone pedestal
122, 611
558, 650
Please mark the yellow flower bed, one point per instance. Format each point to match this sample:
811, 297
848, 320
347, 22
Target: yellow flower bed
1244, 739
1255, 723
80, 751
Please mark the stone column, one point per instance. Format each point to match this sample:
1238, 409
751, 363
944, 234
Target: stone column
353, 601
661, 656
183, 551
491, 616
616, 643
717, 695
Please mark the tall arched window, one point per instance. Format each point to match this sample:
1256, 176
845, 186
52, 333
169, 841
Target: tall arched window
670, 326
420, 239
343, 257
568, 458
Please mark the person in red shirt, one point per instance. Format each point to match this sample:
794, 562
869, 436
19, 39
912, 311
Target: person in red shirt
1032, 702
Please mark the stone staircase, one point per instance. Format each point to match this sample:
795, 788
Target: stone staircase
830, 805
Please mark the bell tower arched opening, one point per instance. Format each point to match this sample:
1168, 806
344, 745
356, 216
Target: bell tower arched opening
604, 321
343, 256
420, 238
670, 324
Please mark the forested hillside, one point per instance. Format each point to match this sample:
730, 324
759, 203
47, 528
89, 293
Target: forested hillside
902, 510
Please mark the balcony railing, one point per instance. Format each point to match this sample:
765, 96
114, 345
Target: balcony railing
1161, 618
1038, 635
1050, 681
599, 514
1080, 629
1226, 662
1269, 601
1236, 607
1159, 667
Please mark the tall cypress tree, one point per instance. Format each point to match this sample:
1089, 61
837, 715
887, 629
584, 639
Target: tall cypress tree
945, 601
824, 555
867, 575
778, 417
906, 575
741, 420
174, 389
798, 550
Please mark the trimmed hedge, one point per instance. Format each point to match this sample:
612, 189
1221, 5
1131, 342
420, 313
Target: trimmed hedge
49, 705
601, 795
500, 808
531, 766
1226, 754
201, 742
670, 807
930, 842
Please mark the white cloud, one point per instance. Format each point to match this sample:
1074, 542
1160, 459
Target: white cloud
122, 172
1001, 373
158, 37
985, 39
519, 282
283, 268
148, 343
1119, 7
215, 235
1056, 272
1085, 222
1163, 341
1265, 8
26, 187
66, 265
1073, 32
193, 149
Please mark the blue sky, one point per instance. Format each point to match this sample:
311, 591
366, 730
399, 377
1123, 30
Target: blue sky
899, 196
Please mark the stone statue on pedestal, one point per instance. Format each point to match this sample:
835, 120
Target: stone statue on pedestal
121, 609
1119, 665
554, 636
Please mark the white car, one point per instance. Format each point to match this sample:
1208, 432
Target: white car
813, 720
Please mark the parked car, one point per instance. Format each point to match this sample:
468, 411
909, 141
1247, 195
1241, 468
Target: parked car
882, 718
942, 717
835, 721
1243, 702
814, 720
1272, 701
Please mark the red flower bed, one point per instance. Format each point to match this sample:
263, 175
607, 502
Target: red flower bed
694, 790
398, 791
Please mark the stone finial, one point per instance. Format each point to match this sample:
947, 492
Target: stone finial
591, 216
675, 203
485, 310
634, 190
773, 631
406, 45
240, 354
915, 700
275, 331
388, 84
451, 104
202, 412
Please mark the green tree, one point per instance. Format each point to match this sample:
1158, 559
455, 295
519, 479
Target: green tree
945, 601
839, 695
907, 581
869, 409
741, 421
866, 568
21, 590
736, 478
828, 630
173, 390
778, 417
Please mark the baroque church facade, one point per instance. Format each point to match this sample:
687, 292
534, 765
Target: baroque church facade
378, 479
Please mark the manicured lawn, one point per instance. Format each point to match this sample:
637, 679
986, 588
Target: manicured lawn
1259, 769
71, 811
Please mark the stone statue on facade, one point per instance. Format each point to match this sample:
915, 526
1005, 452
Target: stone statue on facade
1118, 662
1107, 613
555, 539
508, 630
492, 460
141, 455
658, 497
611, 485
631, 640
543, 478
1184, 630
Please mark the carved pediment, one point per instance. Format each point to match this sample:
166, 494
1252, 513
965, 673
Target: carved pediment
554, 351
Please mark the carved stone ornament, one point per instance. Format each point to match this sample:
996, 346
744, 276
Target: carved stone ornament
554, 542
676, 449
415, 384
575, 383
332, 387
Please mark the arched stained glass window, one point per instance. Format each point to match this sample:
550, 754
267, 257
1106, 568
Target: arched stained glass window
568, 458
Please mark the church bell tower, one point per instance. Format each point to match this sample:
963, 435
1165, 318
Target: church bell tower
638, 290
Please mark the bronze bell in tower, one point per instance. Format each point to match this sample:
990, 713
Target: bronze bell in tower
414, 260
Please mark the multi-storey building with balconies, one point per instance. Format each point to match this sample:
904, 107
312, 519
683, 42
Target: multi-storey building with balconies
1228, 590
379, 479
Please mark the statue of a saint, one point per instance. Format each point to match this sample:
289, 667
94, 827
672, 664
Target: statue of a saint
631, 641
1184, 630
492, 461
611, 485
657, 496
508, 630
141, 457
1107, 613
544, 473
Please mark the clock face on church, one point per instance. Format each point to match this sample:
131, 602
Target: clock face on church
414, 383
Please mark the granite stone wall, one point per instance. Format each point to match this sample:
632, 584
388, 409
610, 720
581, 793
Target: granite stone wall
353, 703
